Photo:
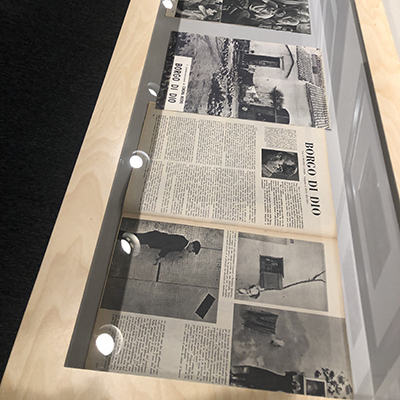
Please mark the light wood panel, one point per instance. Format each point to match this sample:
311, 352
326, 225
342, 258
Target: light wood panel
36, 366
385, 67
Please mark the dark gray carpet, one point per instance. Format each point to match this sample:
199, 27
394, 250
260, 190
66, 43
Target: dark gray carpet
53, 59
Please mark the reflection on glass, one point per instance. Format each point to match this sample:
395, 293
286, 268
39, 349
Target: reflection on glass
136, 161
130, 242
126, 247
109, 340
167, 4
153, 88
105, 344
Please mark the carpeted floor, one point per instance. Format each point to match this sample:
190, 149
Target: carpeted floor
53, 59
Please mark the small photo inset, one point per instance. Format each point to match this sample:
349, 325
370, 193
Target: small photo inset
279, 165
315, 387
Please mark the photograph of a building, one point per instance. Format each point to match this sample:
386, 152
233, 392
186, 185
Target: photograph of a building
281, 271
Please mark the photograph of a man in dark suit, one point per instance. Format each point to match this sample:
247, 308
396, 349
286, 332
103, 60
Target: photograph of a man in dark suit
168, 243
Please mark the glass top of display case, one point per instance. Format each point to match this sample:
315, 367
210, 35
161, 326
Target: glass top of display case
224, 258
251, 235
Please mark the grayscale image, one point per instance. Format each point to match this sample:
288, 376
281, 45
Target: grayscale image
279, 165
175, 274
290, 352
203, 10
315, 387
280, 15
281, 271
247, 79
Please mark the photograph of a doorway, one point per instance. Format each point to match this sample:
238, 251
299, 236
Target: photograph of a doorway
281, 271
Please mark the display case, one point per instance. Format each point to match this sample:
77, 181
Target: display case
355, 244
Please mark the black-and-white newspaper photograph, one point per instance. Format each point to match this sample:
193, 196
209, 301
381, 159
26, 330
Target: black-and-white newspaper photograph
278, 164
244, 79
201, 10
290, 352
173, 272
281, 271
279, 15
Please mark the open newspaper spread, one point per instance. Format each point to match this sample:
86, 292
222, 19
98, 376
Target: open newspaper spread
232, 273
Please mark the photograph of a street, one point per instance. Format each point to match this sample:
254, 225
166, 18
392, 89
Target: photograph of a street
175, 274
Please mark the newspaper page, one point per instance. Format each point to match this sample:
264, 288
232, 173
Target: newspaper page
245, 173
244, 79
279, 15
225, 306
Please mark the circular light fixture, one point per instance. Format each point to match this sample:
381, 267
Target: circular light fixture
105, 344
136, 161
109, 340
126, 247
153, 88
138, 158
129, 243
167, 4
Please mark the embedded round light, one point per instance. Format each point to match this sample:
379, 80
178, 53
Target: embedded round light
153, 92
167, 4
153, 88
105, 344
109, 340
129, 239
138, 158
136, 161
126, 246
